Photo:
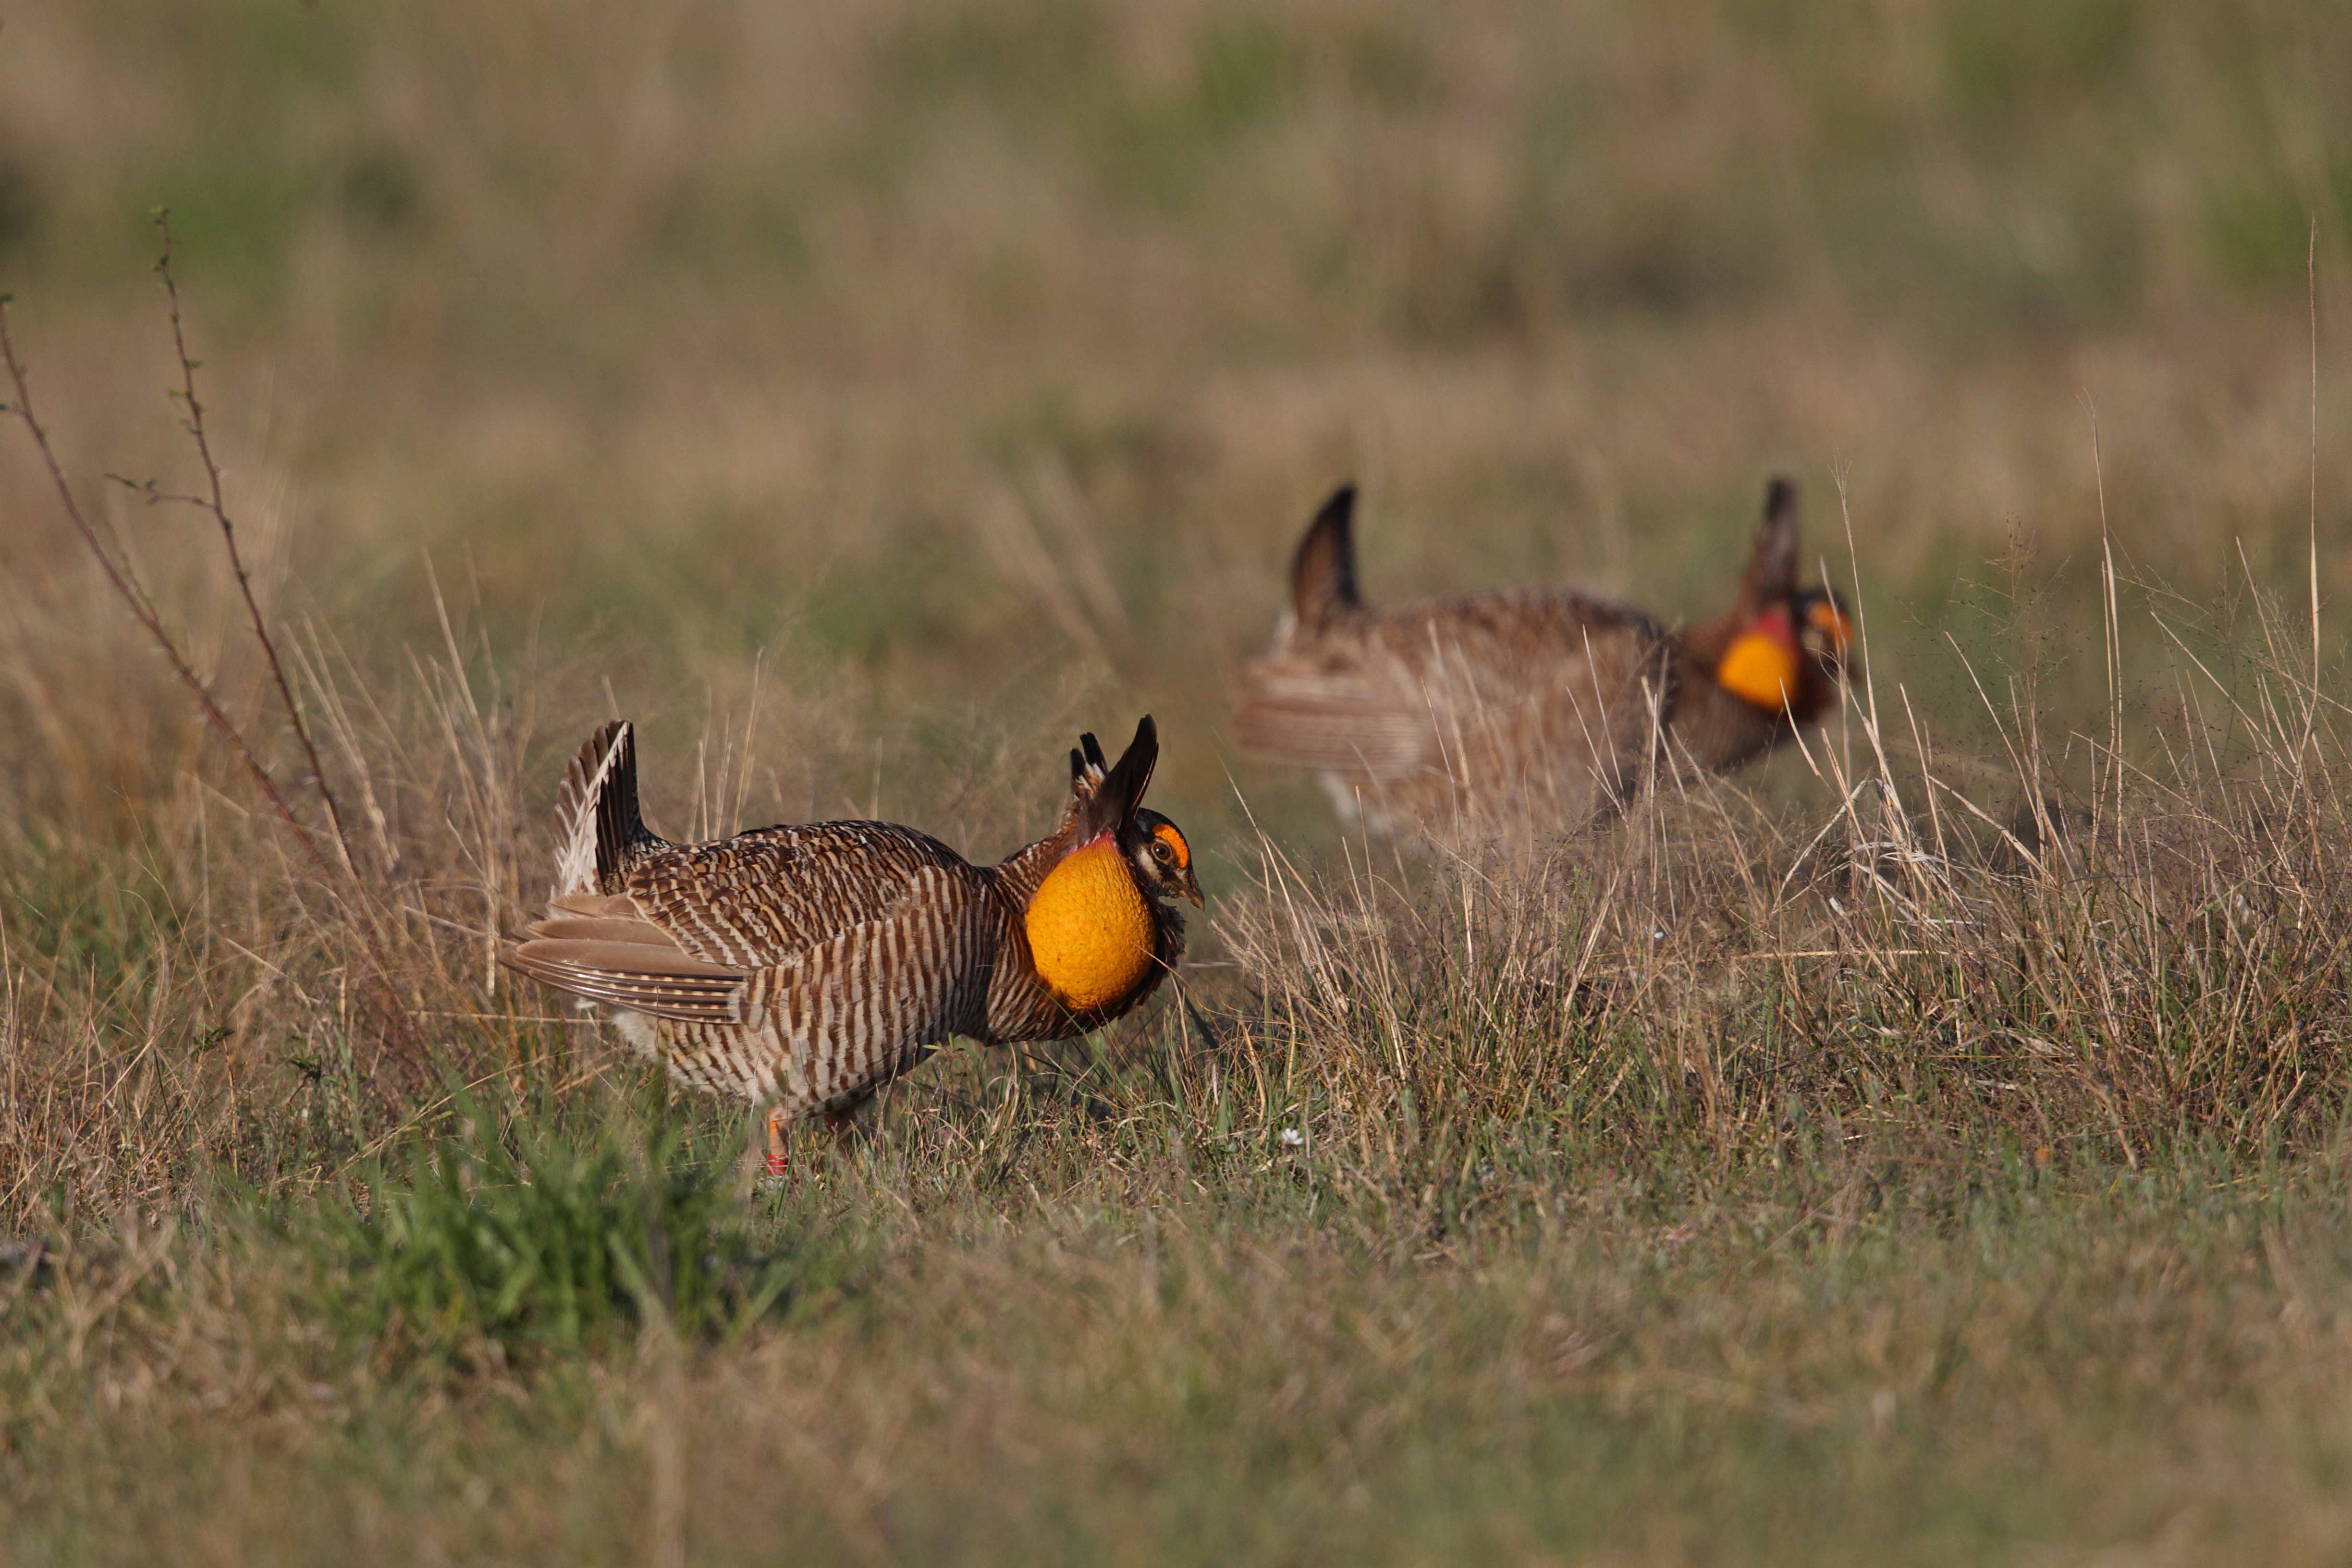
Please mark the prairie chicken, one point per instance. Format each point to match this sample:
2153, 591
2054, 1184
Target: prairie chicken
1533, 705
810, 964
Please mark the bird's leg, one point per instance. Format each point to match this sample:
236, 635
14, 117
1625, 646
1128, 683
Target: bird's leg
779, 1162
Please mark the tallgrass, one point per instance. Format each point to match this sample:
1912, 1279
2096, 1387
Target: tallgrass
1929, 1146
1890, 1177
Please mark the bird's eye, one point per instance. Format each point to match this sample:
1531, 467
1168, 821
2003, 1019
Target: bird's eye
1161, 853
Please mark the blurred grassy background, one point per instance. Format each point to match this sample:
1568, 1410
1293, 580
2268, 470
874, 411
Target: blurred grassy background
955, 354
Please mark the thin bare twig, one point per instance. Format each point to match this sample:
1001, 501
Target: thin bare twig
115, 563
143, 608
217, 505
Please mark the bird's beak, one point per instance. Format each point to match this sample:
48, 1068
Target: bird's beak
1191, 889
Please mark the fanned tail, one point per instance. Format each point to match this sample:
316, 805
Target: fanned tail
1771, 574
1323, 573
597, 822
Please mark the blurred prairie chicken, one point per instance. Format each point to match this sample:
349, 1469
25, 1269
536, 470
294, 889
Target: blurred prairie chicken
810, 964
1532, 705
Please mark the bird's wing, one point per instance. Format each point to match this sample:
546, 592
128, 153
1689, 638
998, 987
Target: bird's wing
596, 946
1524, 678
760, 897
1334, 714
696, 923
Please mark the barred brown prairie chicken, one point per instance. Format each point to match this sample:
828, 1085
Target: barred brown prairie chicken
1532, 705
810, 964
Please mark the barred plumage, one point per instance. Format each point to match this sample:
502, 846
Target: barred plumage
1541, 706
809, 964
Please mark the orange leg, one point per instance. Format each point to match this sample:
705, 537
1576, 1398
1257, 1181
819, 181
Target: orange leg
779, 1163
837, 1122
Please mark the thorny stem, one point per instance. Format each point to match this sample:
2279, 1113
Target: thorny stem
195, 426
142, 609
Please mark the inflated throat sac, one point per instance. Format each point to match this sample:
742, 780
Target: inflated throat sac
1089, 930
1760, 665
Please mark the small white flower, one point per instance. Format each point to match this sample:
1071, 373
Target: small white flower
1292, 1138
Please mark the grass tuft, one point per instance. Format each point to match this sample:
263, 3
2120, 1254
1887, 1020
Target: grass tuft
500, 1228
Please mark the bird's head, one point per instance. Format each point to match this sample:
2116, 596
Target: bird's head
1783, 647
1109, 798
1156, 848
